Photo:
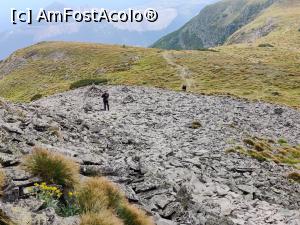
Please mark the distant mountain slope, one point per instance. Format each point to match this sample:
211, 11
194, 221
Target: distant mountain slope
214, 24
278, 25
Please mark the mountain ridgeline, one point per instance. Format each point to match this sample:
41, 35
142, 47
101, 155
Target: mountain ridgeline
214, 24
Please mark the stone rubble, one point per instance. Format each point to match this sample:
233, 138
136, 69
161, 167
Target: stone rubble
146, 144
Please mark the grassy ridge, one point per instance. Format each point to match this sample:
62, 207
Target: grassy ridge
52, 67
270, 74
278, 25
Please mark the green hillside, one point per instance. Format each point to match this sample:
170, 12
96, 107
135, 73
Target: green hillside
214, 24
257, 67
270, 74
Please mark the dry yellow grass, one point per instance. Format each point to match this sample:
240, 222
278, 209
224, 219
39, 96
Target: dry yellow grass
2, 180
52, 167
101, 218
97, 194
264, 149
132, 215
100, 201
295, 176
4, 220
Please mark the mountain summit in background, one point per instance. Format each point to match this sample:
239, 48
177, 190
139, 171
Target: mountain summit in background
172, 15
231, 21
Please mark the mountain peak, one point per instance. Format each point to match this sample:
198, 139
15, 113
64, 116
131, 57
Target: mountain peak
214, 24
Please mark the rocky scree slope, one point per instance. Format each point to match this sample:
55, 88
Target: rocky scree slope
146, 144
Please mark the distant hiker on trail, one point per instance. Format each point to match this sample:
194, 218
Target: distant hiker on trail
105, 97
184, 87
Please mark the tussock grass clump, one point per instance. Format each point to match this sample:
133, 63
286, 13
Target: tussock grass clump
87, 82
132, 215
207, 50
2, 180
2, 103
257, 155
196, 124
266, 45
101, 218
99, 201
97, 194
52, 167
4, 220
261, 146
294, 176
230, 150
249, 142
36, 97
264, 150
282, 141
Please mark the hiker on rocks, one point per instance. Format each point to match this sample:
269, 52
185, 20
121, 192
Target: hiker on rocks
105, 97
184, 87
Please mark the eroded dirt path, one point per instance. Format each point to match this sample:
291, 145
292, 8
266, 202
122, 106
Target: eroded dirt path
184, 73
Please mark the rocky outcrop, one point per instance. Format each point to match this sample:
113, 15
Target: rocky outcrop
146, 144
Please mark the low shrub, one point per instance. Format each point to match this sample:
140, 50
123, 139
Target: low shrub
101, 218
207, 50
52, 167
36, 97
266, 45
132, 215
196, 125
87, 82
294, 176
282, 141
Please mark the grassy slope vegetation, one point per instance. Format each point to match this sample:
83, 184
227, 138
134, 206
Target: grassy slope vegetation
51, 67
245, 70
279, 25
214, 24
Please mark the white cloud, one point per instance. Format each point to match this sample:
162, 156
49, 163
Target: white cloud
48, 31
165, 18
